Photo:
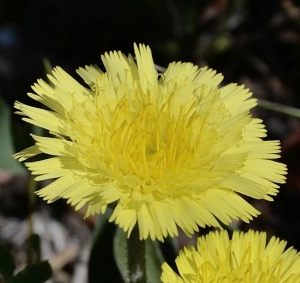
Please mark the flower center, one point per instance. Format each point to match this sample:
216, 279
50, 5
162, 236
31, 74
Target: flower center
150, 142
135, 138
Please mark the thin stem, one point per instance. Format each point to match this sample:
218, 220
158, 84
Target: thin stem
292, 111
136, 254
31, 189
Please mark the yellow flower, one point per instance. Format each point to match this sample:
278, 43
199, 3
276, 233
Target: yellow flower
164, 150
247, 258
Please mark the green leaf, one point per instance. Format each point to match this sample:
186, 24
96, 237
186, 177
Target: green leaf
6, 142
154, 257
102, 266
34, 273
7, 264
120, 253
154, 260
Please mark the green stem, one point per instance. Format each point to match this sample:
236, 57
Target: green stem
136, 254
31, 189
292, 111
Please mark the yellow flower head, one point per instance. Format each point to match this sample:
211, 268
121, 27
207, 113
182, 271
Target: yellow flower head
247, 258
164, 150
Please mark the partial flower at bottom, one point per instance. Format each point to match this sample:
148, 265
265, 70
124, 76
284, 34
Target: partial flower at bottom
163, 150
246, 258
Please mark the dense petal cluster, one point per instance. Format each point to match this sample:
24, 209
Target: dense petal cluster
164, 150
246, 258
